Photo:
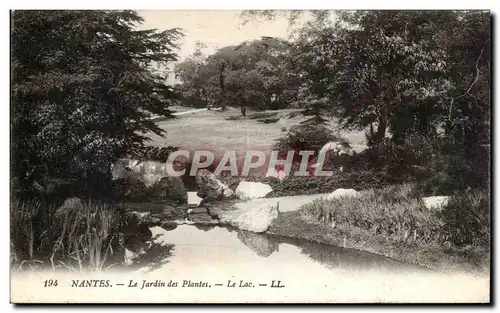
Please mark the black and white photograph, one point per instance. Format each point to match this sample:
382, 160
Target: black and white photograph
250, 156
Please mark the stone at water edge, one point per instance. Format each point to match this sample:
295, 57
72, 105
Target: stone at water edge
255, 220
210, 187
129, 187
436, 202
171, 188
341, 192
261, 244
251, 190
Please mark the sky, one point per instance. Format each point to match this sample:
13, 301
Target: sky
215, 28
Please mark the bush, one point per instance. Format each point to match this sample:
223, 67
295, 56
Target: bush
439, 165
307, 137
359, 180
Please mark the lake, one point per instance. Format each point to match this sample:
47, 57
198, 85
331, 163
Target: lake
245, 266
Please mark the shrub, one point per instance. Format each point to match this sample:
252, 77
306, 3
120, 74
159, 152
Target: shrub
307, 137
359, 180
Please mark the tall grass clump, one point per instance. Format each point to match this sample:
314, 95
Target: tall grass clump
398, 213
30, 222
467, 218
83, 237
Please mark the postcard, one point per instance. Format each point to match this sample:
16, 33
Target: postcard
273, 156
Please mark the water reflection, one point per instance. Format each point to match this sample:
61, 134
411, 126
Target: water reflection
204, 227
263, 245
336, 257
211, 242
152, 255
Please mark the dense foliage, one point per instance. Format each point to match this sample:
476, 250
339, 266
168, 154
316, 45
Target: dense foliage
253, 75
83, 90
417, 82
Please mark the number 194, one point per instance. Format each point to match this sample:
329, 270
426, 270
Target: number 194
50, 283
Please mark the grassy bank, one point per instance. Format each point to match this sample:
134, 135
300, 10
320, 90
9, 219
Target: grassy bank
80, 237
394, 223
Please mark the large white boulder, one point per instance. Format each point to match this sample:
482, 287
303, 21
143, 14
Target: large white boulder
436, 202
256, 220
343, 193
252, 190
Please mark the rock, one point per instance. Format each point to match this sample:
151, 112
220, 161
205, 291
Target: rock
338, 148
193, 198
203, 219
215, 212
261, 244
130, 187
255, 220
199, 210
251, 190
173, 213
211, 188
343, 193
436, 202
69, 207
171, 188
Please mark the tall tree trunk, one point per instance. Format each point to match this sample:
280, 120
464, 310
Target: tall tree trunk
381, 129
222, 78
243, 108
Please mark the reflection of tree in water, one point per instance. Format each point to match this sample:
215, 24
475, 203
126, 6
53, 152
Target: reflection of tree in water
204, 227
342, 258
154, 256
263, 245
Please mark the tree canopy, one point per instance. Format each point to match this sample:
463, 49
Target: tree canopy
253, 74
83, 90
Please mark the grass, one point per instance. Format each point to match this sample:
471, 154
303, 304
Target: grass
394, 222
398, 213
212, 129
393, 212
470, 259
85, 238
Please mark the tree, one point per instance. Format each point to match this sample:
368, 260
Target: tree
253, 74
420, 78
83, 91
